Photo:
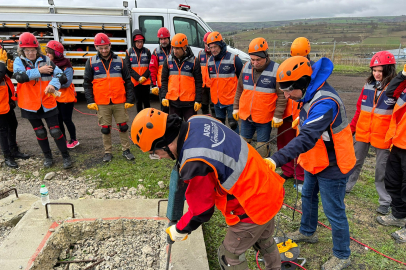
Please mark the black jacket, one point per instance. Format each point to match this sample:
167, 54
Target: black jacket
396, 86
197, 74
89, 75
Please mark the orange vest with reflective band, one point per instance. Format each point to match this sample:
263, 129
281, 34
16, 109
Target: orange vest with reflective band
240, 171
161, 56
258, 100
181, 82
397, 128
223, 80
374, 119
32, 94
67, 94
139, 64
316, 159
108, 83
291, 109
203, 56
4, 95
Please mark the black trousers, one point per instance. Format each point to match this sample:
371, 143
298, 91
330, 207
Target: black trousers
8, 131
142, 96
395, 181
183, 112
65, 116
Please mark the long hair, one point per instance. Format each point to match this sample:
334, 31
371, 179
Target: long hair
388, 73
20, 52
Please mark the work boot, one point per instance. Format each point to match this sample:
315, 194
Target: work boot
383, 209
262, 149
335, 263
390, 220
297, 237
48, 162
9, 161
107, 157
127, 154
67, 160
15, 152
400, 235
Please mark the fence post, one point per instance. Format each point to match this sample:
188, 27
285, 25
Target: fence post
334, 48
400, 46
273, 49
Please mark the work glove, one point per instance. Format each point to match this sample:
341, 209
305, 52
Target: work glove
236, 115
175, 235
197, 106
142, 79
3, 56
10, 65
271, 164
390, 148
50, 91
155, 91
295, 123
92, 106
165, 102
276, 122
404, 70
127, 105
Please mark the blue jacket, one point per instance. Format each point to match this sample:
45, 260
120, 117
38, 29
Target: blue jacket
69, 74
319, 119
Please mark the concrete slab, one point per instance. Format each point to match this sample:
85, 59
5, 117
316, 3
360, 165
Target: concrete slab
18, 249
12, 208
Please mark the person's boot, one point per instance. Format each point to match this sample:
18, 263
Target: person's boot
262, 149
15, 152
67, 160
400, 236
297, 237
9, 161
48, 162
390, 220
107, 157
127, 154
335, 263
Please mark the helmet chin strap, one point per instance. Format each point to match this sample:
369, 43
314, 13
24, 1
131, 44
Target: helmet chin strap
167, 150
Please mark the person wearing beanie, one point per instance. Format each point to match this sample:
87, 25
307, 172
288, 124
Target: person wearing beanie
137, 61
224, 69
204, 56
258, 101
217, 169
156, 64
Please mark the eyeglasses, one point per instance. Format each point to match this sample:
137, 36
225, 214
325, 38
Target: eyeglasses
30, 51
288, 89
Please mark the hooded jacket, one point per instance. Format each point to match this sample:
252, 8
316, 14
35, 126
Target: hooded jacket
127, 60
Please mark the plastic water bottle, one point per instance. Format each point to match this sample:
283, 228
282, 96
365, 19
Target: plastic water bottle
299, 187
44, 195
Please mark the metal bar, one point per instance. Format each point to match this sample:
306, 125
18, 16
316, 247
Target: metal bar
71, 204
400, 46
168, 259
159, 204
7, 191
93, 265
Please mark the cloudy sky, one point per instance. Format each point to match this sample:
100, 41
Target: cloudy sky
255, 10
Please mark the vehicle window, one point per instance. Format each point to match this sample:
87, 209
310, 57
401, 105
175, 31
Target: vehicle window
149, 26
194, 31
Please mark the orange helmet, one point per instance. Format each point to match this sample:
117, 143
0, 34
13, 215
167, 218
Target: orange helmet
179, 40
300, 47
258, 45
148, 126
213, 37
292, 70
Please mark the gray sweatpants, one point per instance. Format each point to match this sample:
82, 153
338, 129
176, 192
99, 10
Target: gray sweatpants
361, 151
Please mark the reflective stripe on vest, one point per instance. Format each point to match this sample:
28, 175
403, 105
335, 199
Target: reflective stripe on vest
258, 100
181, 82
397, 128
139, 64
203, 66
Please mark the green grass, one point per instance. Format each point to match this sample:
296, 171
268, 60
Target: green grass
347, 69
382, 40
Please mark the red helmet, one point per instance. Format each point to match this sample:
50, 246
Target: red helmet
163, 32
205, 36
56, 46
382, 58
101, 39
27, 40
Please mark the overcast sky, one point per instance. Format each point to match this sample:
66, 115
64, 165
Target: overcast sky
254, 10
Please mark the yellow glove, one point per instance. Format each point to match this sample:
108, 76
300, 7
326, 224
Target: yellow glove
3, 56
155, 91
174, 235
390, 149
142, 79
92, 106
127, 105
276, 122
197, 106
165, 102
10, 65
271, 164
295, 123
236, 115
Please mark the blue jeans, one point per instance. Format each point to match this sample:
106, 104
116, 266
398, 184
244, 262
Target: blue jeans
248, 129
332, 193
225, 111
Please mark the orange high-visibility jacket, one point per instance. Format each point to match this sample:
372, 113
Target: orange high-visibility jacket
397, 128
139, 64
181, 82
203, 57
68, 94
291, 109
5, 84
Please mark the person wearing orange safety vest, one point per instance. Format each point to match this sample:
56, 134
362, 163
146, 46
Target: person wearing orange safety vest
395, 173
109, 91
258, 100
38, 80
156, 64
218, 169
137, 61
67, 98
325, 150
182, 79
224, 69
8, 119
371, 122
204, 55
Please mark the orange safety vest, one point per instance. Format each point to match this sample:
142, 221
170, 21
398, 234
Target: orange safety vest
67, 94
316, 159
223, 80
397, 128
32, 94
203, 56
239, 169
374, 119
108, 83
139, 64
291, 109
181, 82
258, 100
161, 56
